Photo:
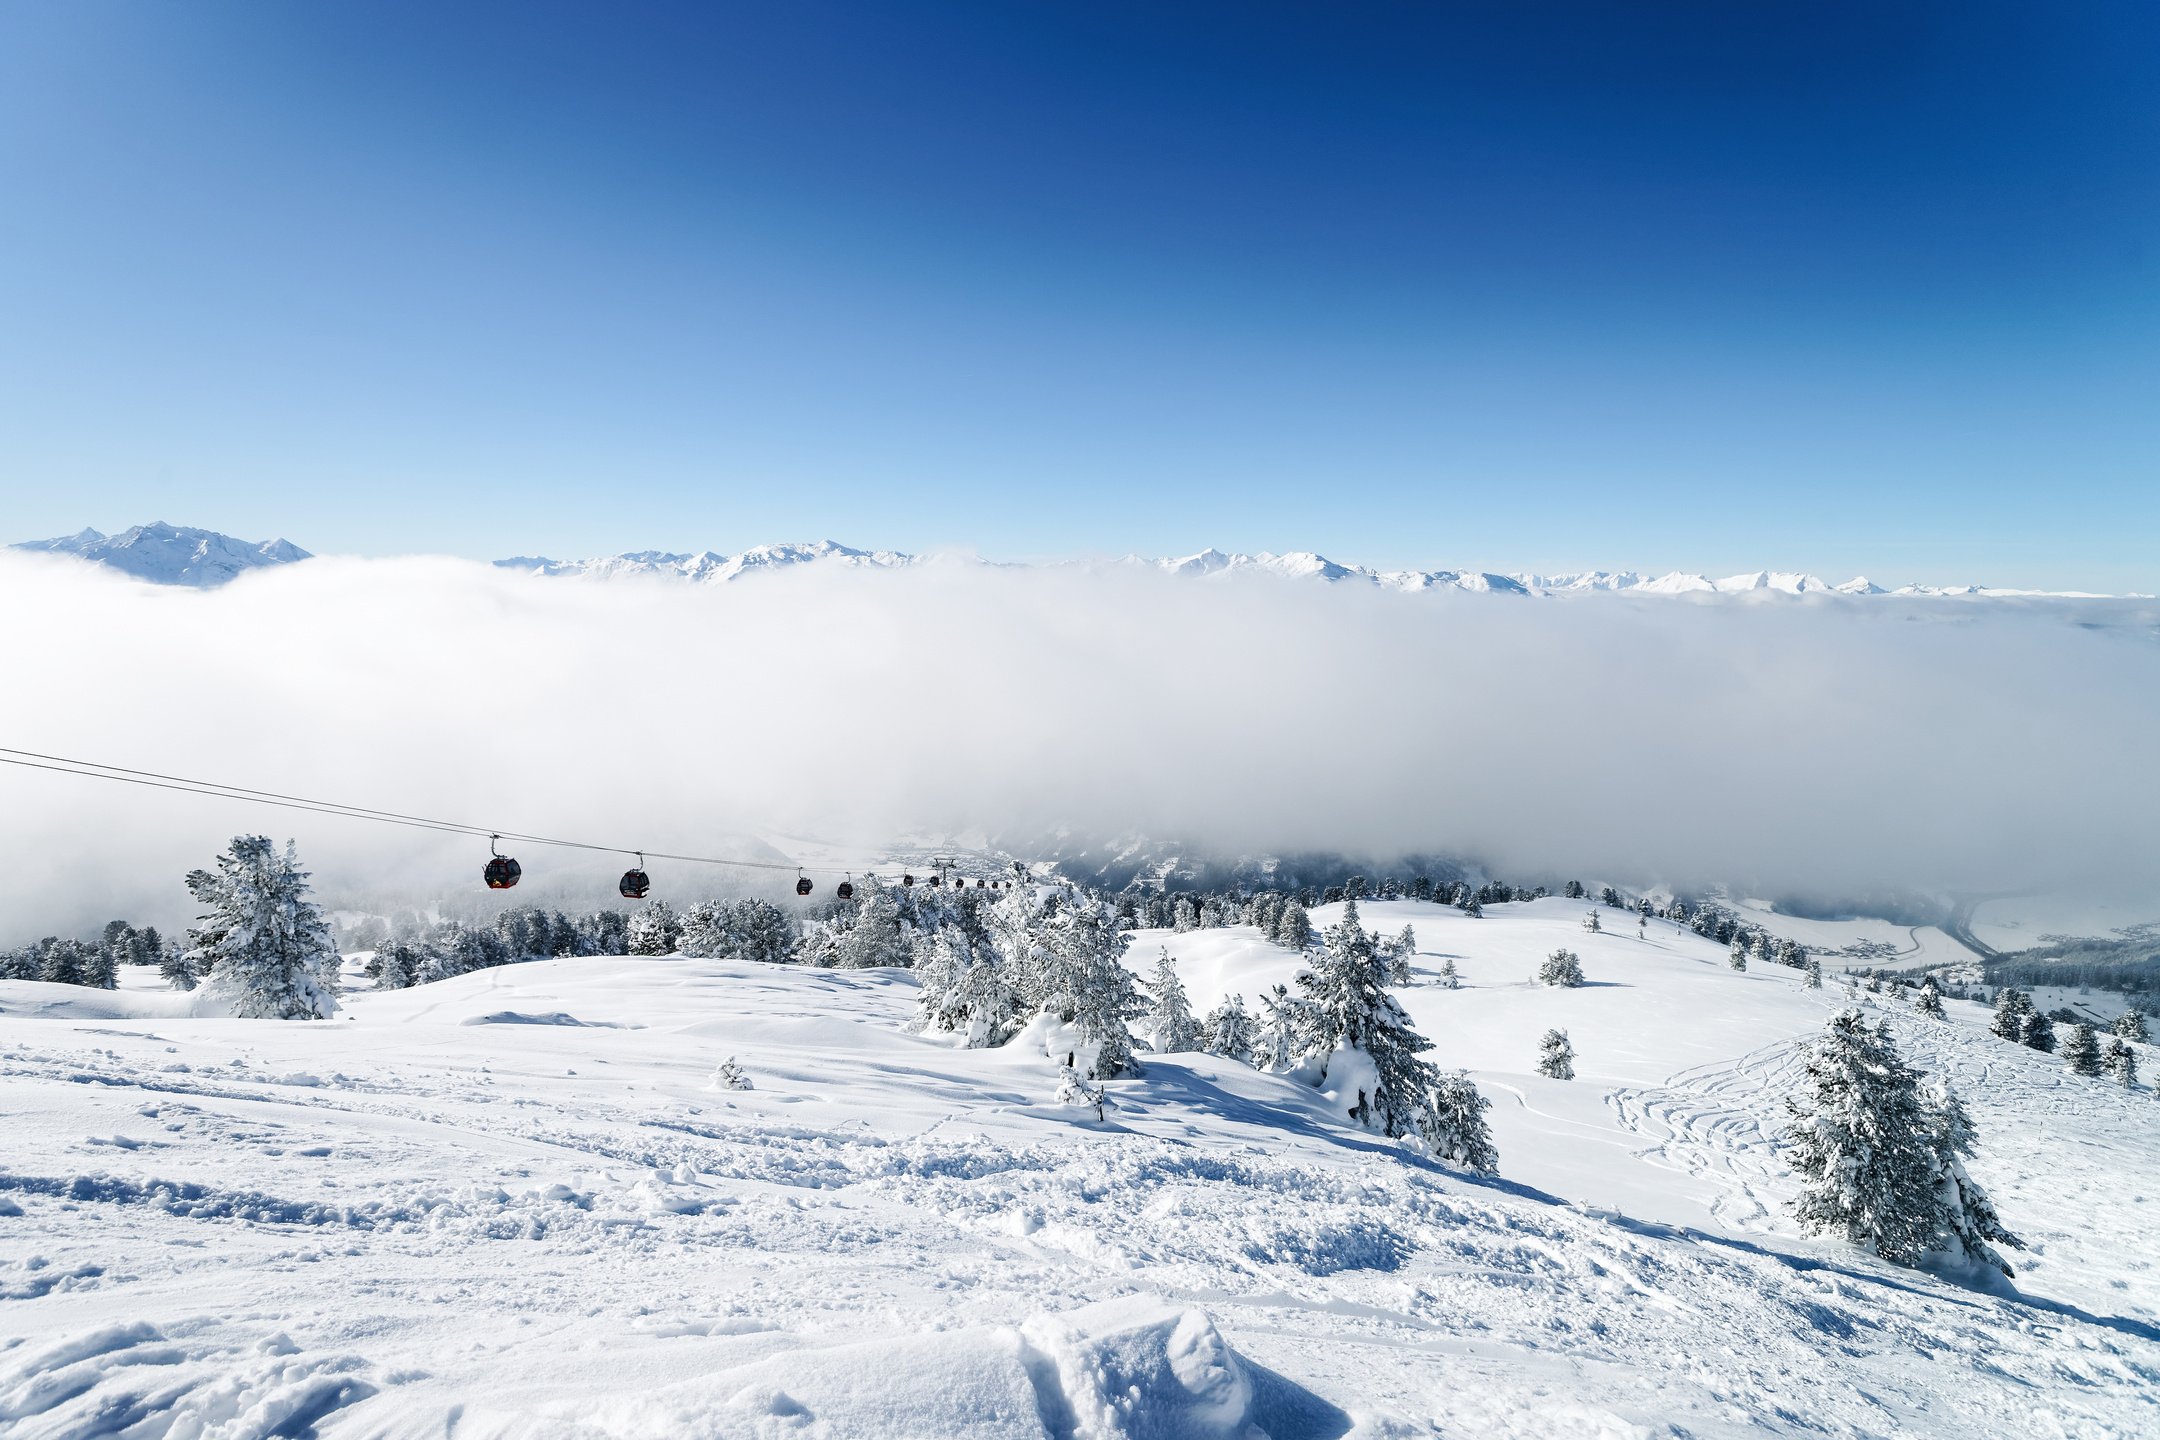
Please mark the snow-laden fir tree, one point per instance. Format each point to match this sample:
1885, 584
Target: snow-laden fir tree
394, 966
1171, 1027
1591, 923
1814, 973
1228, 1030
1880, 1165
1365, 1039
1470, 905
176, 969
654, 929
1562, 968
2130, 1025
1556, 1057
2081, 1053
1968, 1226
994, 1012
263, 947
1452, 1124
729, 1076
1077, 1090
939, 977
1399, 951
2120, 1061
1293, 931
2012, 1007
1281, 1036
1572, 890
1737, 957
1186, 917
2040, 1033
1080, 979
876, 938
1929, 999
1449, 980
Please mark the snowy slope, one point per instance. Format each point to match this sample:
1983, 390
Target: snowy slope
511, 1204
173, 554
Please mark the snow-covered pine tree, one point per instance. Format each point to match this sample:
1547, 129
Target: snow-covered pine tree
654, 929
1076, 1090
1186, 917
100, 968
176, 969
1366, 1038
2120, 1061
1084, 983
1293, 931
877, 938
939, 977
1967, 1226
2040, 1033
1572, 890
1228, 1030
1562, 968
729, 1076
1814, 973
393, 966
2081, 1053
1929, 999
2012, 1007
264, 947
1171, 1027
1737, 957
1449, 980
1863, 1144
1452, 1124
2130, 1025
1591, 923
1280, 1037
1556, 1057
993, 1011
1400, 949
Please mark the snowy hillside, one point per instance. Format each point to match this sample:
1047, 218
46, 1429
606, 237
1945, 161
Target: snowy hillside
172, 554
516, 1203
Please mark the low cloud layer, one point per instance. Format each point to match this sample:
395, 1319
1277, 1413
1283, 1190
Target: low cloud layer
1782, 744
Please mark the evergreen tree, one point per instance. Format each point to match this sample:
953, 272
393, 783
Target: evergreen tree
1279, 1037
1171, 1027
1449, 980
1814, 973
876, 938
1228, 1031
1591, 923
1863, 1143
1572, 890
393, 966
1562, 968
653, 929
1452, 1124
1186, 917
2012, 1007
2130, 1025
729, 1076
1353, 1013
1967, 1225
1609, 898
1294, 931
1556, 1057
100, 968
939, 977
2081, 1055
1929, 1001
1081, 979
1399, 951
1737, 957
176, 969
263, 944
2040, 1033
2120, 1062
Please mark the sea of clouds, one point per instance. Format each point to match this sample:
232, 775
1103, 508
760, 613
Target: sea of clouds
1776, 742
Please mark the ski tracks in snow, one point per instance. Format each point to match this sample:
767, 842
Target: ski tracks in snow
1718, 1123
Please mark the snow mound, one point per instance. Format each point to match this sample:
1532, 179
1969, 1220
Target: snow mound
1136, 1368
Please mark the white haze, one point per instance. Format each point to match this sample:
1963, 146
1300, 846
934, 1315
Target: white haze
1787, 744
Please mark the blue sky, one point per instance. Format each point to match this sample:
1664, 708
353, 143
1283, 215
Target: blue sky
1845, 287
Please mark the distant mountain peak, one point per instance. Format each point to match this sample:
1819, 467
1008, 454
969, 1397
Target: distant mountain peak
172, 554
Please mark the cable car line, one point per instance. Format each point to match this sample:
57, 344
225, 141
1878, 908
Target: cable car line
500, 876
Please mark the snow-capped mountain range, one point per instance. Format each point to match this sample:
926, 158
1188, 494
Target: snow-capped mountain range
178, 555
173, 554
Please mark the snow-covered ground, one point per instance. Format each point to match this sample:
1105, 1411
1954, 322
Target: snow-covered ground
515, 1204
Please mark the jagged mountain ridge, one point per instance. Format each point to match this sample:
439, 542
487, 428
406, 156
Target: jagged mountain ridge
181, 555
172, 554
